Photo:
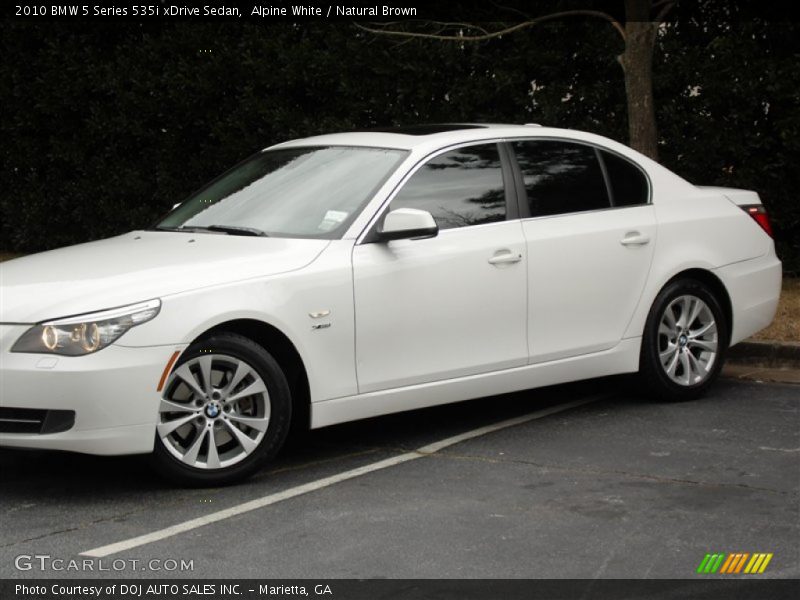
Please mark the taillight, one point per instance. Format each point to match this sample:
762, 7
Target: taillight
759, 214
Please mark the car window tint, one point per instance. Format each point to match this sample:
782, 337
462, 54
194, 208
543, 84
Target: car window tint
628, 183
459, 188
561, 177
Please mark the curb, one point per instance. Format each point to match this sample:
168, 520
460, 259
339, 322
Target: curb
759, 374
778, 354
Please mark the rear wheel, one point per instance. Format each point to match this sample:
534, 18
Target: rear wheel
225, 411
684, 341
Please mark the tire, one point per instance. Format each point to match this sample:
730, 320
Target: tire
244, 408
680, 361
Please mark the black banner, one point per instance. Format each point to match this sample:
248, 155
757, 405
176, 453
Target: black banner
401, 589
272, 11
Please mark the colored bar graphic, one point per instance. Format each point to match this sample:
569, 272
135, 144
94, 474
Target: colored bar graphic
741, 562
727, 564
734, 563
765, 563
702, 567
755, 562
711, 563
718, 562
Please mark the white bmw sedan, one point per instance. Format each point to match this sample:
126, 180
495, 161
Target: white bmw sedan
351, 275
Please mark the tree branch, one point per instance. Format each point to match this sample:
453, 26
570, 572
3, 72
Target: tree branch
462, 25
487, 36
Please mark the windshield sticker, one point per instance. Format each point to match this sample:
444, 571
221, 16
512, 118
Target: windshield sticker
332, 220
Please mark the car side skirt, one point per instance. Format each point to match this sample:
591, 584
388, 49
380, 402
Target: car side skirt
623, 358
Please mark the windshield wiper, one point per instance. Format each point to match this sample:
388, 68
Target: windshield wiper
229, 229
236, 230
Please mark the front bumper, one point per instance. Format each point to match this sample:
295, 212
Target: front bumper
112, 392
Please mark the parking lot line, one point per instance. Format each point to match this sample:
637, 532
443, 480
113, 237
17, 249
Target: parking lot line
251, 505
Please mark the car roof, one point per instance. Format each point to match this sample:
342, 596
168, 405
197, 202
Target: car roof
414, 136
425, 139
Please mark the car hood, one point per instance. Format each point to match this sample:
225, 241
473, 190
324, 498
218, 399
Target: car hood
138, 266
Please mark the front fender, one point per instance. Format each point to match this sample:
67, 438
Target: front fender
291, 303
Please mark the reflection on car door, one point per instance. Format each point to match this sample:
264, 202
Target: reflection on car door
450, 305
590, 237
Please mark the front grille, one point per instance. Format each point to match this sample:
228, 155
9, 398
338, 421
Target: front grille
34, 420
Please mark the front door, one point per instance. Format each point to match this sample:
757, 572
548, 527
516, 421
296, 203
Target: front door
452, 305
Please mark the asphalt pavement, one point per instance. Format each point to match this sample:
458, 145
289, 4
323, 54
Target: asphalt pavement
616, 487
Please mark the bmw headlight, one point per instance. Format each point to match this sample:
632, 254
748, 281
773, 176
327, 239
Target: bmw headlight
84, 334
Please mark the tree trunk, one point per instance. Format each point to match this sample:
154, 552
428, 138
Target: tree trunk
637, 64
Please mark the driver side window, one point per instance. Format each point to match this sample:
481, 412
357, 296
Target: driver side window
459, 188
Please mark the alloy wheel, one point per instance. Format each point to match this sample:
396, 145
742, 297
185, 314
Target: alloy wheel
214, 412
687, 340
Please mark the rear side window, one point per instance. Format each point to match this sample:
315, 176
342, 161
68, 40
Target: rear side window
459, 188
561, 177
628, 183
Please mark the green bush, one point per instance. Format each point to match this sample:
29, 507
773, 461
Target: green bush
107, 125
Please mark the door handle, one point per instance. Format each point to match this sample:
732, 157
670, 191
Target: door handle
634, 238
505, 257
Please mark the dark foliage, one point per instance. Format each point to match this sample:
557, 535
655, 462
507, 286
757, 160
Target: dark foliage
106, 126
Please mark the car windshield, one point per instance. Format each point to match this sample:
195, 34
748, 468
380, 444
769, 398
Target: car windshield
308, 192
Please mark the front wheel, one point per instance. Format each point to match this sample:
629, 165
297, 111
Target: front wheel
684, 342
224, 412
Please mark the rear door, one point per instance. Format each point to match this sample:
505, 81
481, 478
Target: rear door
590, 233
455, 304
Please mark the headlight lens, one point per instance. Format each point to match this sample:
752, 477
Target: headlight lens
84, 334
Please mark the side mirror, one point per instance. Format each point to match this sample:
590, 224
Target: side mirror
404, 223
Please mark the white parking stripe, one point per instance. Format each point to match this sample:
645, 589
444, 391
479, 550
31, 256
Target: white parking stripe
239, 509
